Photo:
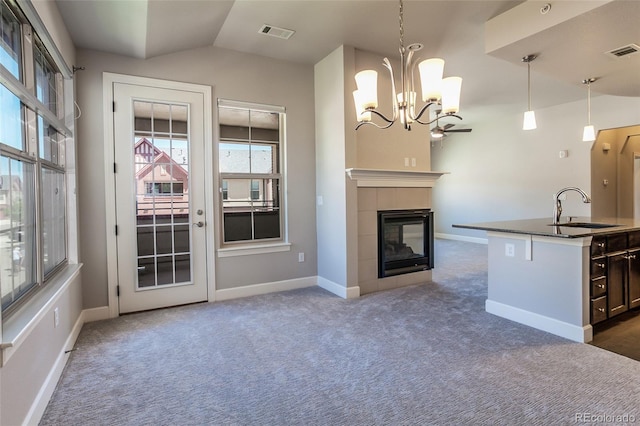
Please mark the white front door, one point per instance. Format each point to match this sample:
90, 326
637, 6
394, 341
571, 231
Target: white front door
160, 196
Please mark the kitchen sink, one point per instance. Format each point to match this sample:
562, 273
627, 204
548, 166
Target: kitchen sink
591, 225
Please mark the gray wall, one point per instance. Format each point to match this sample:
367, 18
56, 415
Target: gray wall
331, 159
235, 76
500, 172
27, 371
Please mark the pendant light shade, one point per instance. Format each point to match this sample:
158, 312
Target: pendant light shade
367, 82
431, 78
589, 132
361, 113
529, 122
451, 87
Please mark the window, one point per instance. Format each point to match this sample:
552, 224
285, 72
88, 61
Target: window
33, 203
249, 154
46, 77
163, 188
255, 190
10, 54
225, 190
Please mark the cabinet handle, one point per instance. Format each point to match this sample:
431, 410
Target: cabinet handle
602, 265
631, 256
601, 245
601, 309
600, 285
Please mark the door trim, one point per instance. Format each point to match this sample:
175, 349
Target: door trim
108, 81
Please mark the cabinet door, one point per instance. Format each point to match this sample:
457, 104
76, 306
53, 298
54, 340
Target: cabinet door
617, 283
634, 278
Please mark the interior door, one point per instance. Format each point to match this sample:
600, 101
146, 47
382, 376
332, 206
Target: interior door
159, 154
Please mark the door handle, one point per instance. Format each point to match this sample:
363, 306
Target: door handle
199, 224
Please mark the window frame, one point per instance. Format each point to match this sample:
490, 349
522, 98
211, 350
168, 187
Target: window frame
33, 115
229, 248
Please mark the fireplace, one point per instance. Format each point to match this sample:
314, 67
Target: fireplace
405, 241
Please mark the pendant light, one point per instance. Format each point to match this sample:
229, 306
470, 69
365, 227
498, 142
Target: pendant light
529, 122
441, 93
589, 132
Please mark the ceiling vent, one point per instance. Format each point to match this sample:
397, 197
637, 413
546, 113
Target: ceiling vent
272, 31
627, 50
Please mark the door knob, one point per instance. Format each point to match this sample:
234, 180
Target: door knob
199, 224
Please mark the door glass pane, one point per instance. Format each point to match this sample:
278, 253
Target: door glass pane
161, 157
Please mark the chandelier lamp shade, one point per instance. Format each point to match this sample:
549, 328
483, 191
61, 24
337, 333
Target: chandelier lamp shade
529, 122
442, 93
589, 132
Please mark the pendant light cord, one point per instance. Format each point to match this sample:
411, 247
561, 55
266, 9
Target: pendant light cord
589, 102
529, 84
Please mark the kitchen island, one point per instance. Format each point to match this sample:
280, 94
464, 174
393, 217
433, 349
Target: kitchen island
540, 274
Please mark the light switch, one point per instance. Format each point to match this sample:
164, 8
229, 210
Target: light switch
509, 250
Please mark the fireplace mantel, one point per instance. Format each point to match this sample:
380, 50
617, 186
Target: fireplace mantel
372, 178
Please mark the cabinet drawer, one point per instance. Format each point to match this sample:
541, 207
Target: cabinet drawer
598, 246
616, 242
634, 239
598, 267
598, 287
598, 309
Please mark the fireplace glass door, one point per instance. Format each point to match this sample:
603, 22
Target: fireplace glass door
405, 241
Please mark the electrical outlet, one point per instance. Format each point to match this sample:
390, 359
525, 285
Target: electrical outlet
406, 161
56, 317
413, 162
509, 250
300, 257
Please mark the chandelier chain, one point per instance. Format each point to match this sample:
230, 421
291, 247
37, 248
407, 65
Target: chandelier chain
401, 28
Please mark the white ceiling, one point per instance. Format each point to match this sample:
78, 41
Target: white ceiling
570, 49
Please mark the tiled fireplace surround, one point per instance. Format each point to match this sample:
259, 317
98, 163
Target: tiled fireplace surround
370, 201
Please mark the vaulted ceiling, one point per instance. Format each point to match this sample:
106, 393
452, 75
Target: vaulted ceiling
571, 38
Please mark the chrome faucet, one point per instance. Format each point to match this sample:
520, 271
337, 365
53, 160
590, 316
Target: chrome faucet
557, 206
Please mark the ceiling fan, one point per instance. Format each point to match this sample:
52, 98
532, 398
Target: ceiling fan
440, 132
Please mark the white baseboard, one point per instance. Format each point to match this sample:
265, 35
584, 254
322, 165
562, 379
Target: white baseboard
95, 314
461, 238
338, 290
550, 325
264, 288
46, 391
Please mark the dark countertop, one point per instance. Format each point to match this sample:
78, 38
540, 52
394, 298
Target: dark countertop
544, 227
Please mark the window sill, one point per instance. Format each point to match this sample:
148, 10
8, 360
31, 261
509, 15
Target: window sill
16, 329
254, 249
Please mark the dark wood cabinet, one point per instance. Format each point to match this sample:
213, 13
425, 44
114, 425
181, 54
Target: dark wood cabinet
615, 274
617, 283
634, 278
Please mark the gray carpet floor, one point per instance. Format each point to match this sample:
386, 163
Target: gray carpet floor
422, 355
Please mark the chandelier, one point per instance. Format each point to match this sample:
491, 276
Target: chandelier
442, 93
